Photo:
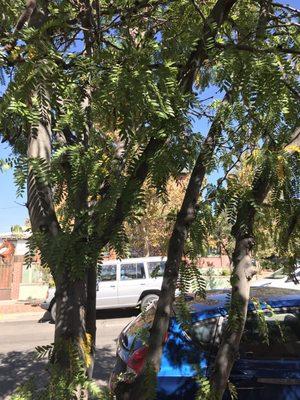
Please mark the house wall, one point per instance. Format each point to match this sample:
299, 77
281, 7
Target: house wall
18, 261
28, 291
12, 272
221, 262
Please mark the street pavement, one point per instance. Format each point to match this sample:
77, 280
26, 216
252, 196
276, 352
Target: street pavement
18, 339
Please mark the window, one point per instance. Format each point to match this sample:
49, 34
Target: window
132, 271
156, 268
108, 273
33, 274
143, 320
213, 251
204, 332
283, 335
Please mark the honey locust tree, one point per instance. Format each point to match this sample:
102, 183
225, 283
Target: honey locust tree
149, 235
96, 98
260, 110
100, 97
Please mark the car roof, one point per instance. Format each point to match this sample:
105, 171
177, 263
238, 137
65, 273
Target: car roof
217, 301
134, 260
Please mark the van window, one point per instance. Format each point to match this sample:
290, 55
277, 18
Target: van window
133, 271
108, 273
156, 268
283, 336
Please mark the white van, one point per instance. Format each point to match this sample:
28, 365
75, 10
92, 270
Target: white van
123, 284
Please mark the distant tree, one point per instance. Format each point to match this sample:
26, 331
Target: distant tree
150, 234
16, 229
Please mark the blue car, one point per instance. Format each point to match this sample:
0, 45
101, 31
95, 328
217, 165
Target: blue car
268, 366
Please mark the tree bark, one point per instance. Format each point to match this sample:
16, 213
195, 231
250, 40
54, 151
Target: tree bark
91, 315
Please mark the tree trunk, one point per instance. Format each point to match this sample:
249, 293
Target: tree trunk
185, 218
91, 314
241, 279
39, 197
71, 356
146, 243
71, 300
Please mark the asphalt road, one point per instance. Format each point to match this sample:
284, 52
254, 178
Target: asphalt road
18, 340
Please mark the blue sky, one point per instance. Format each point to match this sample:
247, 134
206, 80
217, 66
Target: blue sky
11, 213
12, 209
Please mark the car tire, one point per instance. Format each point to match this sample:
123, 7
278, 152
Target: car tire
53, 311
119, 368
147, 300
123, 391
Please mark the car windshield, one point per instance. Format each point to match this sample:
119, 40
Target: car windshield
281, 338
279, 274
143, 320
204, 332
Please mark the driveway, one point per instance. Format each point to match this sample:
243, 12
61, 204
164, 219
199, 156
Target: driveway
19, 338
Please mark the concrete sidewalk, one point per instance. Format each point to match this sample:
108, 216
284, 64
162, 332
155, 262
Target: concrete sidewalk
13, 310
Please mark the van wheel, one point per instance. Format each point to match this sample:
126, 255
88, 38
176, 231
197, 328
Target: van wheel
53, 312
147, 300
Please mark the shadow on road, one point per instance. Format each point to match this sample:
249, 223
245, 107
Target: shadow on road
105, 360
117, 313
17, 367
102, 314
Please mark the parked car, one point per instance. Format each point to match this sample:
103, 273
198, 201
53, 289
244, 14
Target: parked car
280, 279
263, 371
123, 284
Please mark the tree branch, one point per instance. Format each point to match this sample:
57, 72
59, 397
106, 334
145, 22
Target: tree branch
198, 9
186, 76
251, 49
39, 195
26, 14
287, 7
197, 57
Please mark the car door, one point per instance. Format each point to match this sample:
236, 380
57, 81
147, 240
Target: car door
185, 357
107, 288
132, 283
269, 369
